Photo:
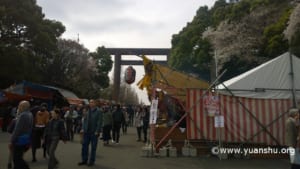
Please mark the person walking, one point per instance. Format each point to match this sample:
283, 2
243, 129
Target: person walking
85, 110
70, 117
20, 139
291, 134
118, 119
125, 122
91, 129
130, 111
10, 129
145, 116
55, 131
107, 125
41, 118
77, 120
138, 122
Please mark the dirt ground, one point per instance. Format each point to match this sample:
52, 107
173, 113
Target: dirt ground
127, 155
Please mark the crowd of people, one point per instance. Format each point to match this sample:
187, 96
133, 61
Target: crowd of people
38, 127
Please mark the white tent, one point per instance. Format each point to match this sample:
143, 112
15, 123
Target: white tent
271, 80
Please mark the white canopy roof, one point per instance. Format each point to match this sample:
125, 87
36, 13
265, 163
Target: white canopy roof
271, 80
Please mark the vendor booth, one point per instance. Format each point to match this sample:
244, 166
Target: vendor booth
253, 106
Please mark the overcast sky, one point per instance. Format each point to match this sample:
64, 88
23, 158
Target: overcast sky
122, 23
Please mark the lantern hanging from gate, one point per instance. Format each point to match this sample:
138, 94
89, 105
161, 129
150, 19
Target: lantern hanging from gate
130, 75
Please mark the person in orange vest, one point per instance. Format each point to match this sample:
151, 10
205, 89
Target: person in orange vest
41, 119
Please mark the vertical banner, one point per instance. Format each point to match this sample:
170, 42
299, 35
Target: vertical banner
153, 111
153, 117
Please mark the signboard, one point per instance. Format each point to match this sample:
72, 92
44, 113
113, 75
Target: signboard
219, 121
212, 104
153, 111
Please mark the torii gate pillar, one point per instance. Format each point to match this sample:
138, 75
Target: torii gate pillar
117, 77
118, 52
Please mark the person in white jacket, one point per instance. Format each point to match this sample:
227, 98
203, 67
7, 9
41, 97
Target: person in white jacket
70, 117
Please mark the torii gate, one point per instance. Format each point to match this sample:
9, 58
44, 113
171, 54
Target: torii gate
118, 52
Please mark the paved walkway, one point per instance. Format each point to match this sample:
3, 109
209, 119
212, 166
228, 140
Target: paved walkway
126, 155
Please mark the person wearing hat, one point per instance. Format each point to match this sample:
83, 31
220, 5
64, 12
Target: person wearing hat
291, 134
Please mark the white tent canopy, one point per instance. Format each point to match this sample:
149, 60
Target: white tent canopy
271, 80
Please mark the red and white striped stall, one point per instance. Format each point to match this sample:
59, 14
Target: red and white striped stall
239, 124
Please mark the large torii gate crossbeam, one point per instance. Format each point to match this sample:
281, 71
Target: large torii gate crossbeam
118, 52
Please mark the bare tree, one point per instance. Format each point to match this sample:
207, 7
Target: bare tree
241, 38
293, 24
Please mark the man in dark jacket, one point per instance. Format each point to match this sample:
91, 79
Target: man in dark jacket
20, 139
91, 128
145, 116
54, 132
118, 119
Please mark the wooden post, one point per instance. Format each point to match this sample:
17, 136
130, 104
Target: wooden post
117, 77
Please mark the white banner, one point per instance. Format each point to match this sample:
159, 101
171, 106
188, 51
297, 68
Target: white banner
219, 121
153, 111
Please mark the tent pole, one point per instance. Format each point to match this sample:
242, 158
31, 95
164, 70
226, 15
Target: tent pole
219, 129
293, 80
